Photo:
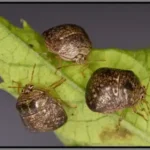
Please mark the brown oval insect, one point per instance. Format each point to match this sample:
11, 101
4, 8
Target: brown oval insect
109, 90
69, 41
40, 109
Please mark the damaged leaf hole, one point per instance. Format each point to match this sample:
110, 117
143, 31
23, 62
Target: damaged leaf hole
111, 90
41, 109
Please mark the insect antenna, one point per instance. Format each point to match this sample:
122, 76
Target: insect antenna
32, 74
19, 84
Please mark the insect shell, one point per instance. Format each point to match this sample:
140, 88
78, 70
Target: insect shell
39, 111
110, 90
69, 41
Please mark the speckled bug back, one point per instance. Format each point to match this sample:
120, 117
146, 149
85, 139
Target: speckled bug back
39, 111
109, 90
69, 41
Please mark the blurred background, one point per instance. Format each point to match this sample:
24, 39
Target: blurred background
125, 26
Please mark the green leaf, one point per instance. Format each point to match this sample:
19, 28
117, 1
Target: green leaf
21, 48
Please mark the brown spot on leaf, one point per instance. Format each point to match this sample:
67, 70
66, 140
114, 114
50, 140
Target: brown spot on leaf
30, 45
113, 134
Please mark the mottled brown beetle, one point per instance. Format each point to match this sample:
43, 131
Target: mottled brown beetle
40, 109
110, 90
69, 41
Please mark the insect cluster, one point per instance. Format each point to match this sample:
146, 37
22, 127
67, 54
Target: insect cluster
107, 91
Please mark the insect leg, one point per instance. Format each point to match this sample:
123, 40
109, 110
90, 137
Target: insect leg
58, 68
86, 64
66, 104
57, 83
59, 63
83, 69
19, 85
147, 111
147, 105
122, 116
140, 114
145, 101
